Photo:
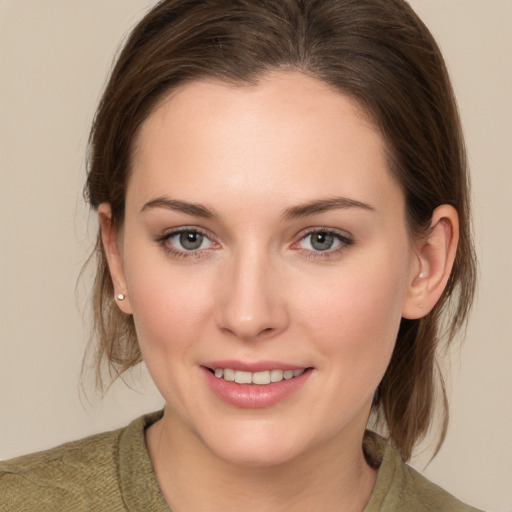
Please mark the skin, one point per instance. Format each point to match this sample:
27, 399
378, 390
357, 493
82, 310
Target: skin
257, 289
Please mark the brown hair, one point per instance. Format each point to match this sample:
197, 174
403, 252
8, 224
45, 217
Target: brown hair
376, 51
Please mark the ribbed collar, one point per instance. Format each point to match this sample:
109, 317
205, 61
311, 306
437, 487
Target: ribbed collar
388, 478
139, 486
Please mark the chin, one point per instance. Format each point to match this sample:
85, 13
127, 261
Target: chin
254, 447
257, 455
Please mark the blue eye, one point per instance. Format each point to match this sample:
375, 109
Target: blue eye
324, 241
190, 240
186, 240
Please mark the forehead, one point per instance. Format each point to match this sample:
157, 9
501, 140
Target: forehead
288, 133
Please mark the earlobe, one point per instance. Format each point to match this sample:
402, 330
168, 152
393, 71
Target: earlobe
111, 246
435, 257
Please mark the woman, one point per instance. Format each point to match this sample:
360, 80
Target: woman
283, 205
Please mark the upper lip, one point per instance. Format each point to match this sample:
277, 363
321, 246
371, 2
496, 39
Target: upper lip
255, 366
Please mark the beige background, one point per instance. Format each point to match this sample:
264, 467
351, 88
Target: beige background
54, 56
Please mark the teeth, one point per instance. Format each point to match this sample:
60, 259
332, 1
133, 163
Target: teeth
229, 375
260, 378
276, 375
243, 377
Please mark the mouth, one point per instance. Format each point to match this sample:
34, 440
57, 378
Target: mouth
260, 378
255, 385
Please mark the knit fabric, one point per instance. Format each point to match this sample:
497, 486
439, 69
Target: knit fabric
112, 472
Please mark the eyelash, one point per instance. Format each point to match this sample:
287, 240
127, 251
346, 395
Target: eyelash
164, 242
343, 240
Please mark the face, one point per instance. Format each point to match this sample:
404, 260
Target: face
264, 241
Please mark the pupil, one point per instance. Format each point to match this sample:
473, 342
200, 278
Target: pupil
322, 241
190, 240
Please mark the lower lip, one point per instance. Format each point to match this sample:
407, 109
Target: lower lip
254, 396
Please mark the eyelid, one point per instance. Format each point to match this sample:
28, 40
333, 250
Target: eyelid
163, 239
345, 239
183, 229
324, 229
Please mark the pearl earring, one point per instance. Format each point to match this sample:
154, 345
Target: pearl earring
120, 296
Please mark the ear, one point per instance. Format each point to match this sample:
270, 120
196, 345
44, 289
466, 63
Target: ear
435, 256
112, 247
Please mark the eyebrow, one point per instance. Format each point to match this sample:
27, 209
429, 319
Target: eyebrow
316, 207
197, 210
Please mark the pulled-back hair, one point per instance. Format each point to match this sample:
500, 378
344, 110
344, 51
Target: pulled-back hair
377, 52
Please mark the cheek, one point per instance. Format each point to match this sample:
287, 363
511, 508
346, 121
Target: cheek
170, 316
356, 316
170, 306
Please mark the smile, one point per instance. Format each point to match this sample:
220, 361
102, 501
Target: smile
267, 384
260, 378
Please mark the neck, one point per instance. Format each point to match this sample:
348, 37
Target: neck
331, 477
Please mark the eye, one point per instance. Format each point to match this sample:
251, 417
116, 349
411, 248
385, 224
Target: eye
320, 241
189, 240
323, 240
185, 240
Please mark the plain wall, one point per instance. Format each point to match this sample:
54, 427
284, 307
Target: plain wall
54, 58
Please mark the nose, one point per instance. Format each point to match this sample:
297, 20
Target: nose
251, 300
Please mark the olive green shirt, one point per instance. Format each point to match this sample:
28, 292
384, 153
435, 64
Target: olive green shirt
112, 472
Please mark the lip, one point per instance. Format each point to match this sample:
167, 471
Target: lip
257, 366
253, 396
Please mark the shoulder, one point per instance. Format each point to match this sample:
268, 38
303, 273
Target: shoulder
69, 477
400, 488
416, 490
